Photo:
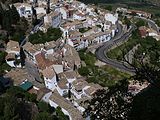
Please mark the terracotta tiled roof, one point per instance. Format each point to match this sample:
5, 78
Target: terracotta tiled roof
10, 56
79, 84
13, 46
29, 47
18, 75
70, 74
143, 31
67, 105
42, 61
49, 72
41, 92
93, 88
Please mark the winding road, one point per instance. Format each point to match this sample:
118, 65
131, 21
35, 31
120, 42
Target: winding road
119, 38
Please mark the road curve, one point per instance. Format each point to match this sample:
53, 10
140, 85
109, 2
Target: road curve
153, 25
120, 37
101, 51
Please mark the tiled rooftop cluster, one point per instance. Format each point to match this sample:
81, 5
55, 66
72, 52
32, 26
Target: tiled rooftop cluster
50, 69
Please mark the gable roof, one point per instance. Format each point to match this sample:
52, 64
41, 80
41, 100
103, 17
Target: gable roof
92, 89
13, 46
42, 62
67, 105
41, 92
49, 72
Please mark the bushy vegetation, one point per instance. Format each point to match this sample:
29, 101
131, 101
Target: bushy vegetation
17, 104
105, 76
3, 65
11, 22
50, 35
148, 46
149, 49
83, 30
119, 52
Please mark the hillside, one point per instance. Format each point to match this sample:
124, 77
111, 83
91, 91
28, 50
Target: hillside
153, 2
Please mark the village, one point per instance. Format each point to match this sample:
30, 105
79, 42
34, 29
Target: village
51, 69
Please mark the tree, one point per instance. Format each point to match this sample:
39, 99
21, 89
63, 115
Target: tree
11, 109
60, 114
1, 14
14, 15
96, 10
2, 57
45, 116
109, 7
140, 23
127, 21
43, 107
6, 21
111, 104
20, 29
83, 71
22, 57
12, 23
34, 17
52, 34
146, 105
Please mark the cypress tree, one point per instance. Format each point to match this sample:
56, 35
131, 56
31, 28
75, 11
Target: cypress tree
6, 21
1, 14
14, 14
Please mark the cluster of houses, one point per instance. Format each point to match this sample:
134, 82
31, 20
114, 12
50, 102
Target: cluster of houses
145, 31
81, 25
134, 12
51, 69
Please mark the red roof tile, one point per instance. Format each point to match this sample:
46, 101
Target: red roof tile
42, 61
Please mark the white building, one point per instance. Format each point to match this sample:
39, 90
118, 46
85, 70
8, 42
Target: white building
49, 78
67, 107
112, 18
13, 51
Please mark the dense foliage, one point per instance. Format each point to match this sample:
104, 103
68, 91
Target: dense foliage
3, 65
17, 104
111, 104
118, 52
50, 35
146, 105
105, 76
11, 22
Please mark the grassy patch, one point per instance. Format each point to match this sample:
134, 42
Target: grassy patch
105, 76
117, 53
83, 30
136, 5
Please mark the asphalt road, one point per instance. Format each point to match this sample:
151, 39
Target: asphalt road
34, 29
101, 51
151, 23
120, 37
